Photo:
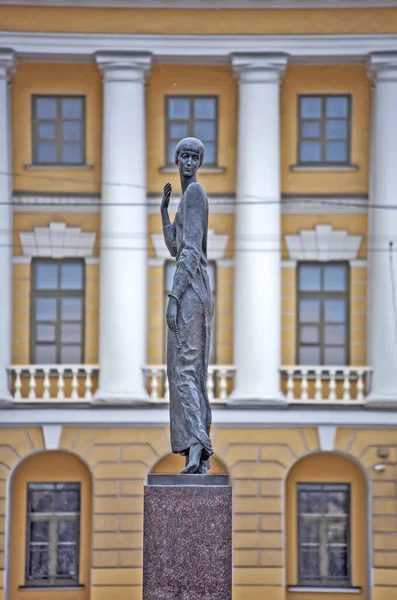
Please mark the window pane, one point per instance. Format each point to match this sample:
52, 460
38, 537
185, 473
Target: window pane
310, 152
46, 153
72, 153
67, 531
334, 334
334, 356
336, 152
209, 154
45, 354
311, 129
46, 309
309, 311
204, 108
39, 531
337, 106
39, 564
45, 333
309, 533
311, 501
71, 355
309, 355
337, 502
310, 279
178, 108
171, 153
66, 566
71, 309
337, 532
335, 278
336, 130
310, 567
71, 131
41, 501
309, 334
310, 107
46, 131
72, 276
178, 130
46, 108
70, 333
67, 501
338, 564
335, 311
46, 276
72, 108
204, 130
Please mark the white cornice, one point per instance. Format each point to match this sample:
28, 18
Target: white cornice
215, 4
217, 49
323, 243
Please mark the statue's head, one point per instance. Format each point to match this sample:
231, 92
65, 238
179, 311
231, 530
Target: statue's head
189, 156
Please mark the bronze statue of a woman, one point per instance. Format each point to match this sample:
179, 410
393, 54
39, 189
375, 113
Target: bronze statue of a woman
189, 312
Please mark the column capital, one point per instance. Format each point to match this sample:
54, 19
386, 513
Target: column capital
259, 68
382, 66
8, 63
124, 66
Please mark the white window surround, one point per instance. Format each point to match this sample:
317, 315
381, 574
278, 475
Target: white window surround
324, 244
216, 247
57, 241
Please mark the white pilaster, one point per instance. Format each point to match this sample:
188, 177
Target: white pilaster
257, 283
382, 228
123, 278
7, 66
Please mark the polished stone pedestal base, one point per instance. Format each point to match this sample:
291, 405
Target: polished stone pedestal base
187, 550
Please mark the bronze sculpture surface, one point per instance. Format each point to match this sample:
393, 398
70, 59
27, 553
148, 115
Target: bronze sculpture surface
189, 312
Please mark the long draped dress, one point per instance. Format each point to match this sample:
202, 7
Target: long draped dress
187, 363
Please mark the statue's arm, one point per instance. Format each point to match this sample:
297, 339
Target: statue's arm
195, 223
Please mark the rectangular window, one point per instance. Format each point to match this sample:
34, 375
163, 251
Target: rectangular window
323, 314
324, 534
58, 130
170, 268
57, 312
324, 130
53, 534
192, 116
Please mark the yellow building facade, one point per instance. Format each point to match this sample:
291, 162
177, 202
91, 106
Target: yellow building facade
296, 107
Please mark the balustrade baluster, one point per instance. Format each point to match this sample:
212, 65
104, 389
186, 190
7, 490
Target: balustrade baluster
61, 384
88, 384
46, 384
318, 386
346, 385
290, 385
332, 385
360, 385
154, 385
75, 384
222, 385
32, 384
18, 384
304, 385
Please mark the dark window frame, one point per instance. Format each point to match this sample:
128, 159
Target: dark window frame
58, 294
323, 295
54, 518
322, 139
167, 121
325, 582
35, 122
214, 295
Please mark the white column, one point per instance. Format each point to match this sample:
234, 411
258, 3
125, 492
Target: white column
382, 229
7, 66
257, 280
123, 277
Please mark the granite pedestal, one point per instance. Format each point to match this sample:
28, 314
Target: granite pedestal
187, 549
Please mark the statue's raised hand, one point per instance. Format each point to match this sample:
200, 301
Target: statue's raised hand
166, 197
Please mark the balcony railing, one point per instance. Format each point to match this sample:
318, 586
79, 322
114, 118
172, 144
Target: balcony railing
326, 384
78, 383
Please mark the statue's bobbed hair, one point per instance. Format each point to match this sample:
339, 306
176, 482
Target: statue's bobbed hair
190, 143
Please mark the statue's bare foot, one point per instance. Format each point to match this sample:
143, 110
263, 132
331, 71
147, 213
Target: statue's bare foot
194, 459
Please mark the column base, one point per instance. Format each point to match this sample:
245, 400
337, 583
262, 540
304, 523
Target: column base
258, 397
103, 396
381, 400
